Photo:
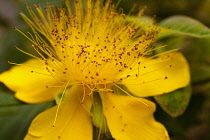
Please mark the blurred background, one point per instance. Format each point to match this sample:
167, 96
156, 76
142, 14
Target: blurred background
194, 124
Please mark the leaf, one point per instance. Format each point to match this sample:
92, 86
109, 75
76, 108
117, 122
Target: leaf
178, 126
15, 120
176, 102
200, 72
16, 116
7, 97
183, 25
198, 56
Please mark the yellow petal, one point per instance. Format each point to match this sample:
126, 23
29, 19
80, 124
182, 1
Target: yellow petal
31, 86
73, 121
129, 118
158, 76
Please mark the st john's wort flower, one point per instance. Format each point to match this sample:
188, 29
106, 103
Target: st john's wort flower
88, 49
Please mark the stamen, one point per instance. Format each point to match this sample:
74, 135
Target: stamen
154, 56
25, 35
18, 64
56, 115
41, 73
27, 53
84, 93
131, 95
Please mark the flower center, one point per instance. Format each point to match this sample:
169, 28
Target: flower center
98, 46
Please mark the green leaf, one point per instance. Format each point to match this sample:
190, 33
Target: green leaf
176, 102
15, 120
198, 56
203, 88
16, 116
7, 97
183, 25
200, 72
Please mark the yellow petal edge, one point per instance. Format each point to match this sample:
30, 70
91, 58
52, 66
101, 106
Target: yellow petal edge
30, 82
130, 118
159, 76
73, 121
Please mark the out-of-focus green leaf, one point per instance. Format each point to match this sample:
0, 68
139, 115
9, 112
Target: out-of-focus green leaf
16, 116
198, 56
183, 25
176, 102
180, 125
15, 120
200, 72
201, 49
7, 98
203, 88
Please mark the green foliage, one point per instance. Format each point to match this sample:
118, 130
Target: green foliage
180, 128
176, 102
7, 98
183, 25
16, 116
198, 56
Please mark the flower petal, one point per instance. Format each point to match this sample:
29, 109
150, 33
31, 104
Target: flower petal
73, 121
158, 76
130, 118
31, 86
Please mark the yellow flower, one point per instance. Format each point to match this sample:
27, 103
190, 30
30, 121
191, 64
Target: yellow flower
87, 49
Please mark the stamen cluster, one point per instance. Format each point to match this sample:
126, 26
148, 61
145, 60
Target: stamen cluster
90, 44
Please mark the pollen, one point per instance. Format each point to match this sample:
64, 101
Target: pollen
89, 44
